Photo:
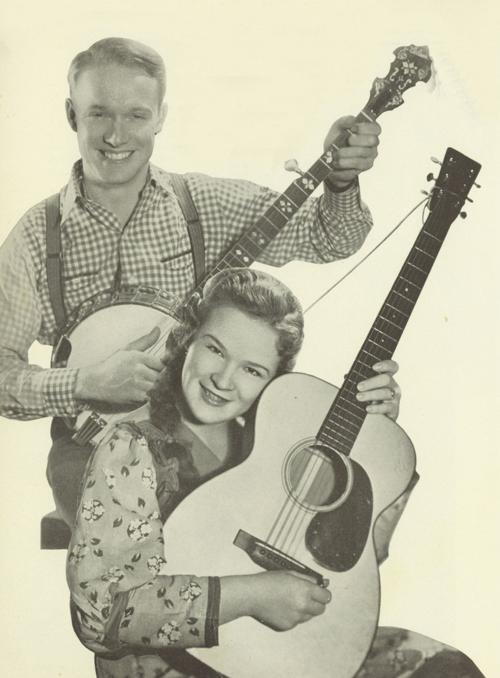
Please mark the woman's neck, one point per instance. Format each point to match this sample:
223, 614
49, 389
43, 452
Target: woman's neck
217, 437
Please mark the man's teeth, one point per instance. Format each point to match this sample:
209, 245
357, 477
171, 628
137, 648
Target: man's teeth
117, 156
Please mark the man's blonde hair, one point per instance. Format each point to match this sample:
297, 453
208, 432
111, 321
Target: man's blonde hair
123, 52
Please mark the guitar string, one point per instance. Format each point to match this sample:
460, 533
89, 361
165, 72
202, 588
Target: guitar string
159, 347
300, 513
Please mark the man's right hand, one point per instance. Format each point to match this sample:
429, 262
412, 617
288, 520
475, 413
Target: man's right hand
125, 377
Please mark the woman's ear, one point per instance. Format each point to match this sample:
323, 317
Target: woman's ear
70, 114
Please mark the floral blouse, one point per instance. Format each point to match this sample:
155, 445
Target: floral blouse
121, 596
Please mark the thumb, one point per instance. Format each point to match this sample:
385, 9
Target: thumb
144, 342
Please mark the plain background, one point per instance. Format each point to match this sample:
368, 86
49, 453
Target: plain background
251, 84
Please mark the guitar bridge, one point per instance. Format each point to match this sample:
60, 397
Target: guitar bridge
270, 558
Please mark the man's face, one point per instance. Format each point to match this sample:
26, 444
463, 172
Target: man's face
116, 113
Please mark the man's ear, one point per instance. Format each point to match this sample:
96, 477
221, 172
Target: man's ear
161, 117
70, 114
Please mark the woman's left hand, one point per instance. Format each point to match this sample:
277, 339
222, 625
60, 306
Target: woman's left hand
381, 392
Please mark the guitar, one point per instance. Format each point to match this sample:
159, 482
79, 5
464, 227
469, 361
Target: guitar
307, 498
112, 319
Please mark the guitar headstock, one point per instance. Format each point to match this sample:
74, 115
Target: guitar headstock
412, 64
457, 176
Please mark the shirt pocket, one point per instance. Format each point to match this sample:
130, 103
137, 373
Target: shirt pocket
180, 260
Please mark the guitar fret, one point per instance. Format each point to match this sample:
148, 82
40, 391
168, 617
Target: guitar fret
397, 310
348, 420
332, 442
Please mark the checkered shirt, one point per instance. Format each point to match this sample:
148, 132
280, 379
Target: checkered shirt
152, 249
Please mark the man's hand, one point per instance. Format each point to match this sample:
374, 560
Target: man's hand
125, 377
358, 156
382, 392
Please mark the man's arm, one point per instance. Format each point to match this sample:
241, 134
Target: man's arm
324, 228
26, 391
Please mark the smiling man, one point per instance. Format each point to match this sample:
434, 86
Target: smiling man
121, 223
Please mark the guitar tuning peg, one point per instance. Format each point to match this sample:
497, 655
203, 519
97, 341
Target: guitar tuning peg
469, 199
463, 215
431, 177
477, 185
425, 192
438, 162
293, 166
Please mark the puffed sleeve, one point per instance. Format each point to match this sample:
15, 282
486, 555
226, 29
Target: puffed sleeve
120, 597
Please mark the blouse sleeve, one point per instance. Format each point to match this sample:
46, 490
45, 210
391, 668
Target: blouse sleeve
119, 594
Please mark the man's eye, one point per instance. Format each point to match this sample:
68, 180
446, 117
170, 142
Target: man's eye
95, 114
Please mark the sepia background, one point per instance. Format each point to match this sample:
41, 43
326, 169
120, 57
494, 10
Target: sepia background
251, 84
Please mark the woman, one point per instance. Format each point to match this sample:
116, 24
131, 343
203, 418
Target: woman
246, 330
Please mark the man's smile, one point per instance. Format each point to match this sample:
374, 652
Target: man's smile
116, 156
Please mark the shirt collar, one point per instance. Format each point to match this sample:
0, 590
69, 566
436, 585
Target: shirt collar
74, 191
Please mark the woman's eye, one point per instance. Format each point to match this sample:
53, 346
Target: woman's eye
254, 372
214, 349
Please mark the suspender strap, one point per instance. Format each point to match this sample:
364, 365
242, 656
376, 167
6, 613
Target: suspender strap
54, 259
193, 225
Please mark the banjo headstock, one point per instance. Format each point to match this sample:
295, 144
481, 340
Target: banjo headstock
412, 64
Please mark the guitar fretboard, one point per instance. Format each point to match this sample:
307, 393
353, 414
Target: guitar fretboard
346, 415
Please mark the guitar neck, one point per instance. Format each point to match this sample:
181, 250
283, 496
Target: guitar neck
346, 415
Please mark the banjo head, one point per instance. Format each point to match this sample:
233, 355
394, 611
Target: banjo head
107, 323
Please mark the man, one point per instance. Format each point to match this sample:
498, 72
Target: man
121, 224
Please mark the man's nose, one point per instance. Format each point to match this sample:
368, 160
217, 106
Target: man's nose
117, 133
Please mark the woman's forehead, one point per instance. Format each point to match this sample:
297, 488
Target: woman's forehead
252, 338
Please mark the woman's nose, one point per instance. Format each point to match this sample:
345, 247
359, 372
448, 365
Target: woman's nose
223, 378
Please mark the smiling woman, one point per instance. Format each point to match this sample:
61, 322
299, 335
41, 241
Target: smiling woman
128, 607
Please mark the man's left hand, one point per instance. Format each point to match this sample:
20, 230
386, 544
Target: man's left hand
358, 156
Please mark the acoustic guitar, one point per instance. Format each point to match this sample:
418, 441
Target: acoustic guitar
307, 497
112, 319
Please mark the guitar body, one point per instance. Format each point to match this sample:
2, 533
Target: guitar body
200, 532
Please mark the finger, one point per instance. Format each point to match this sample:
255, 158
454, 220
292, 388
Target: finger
370, 128
315, 608
390, 366
359, 161
152, 362
359, 140
144, 342
321, 595
383, 380
390, 409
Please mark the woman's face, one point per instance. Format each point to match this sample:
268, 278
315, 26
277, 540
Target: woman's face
232, 357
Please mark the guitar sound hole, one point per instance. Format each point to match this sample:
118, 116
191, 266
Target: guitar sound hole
316, 481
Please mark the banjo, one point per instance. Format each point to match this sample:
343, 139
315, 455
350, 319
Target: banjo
109, 320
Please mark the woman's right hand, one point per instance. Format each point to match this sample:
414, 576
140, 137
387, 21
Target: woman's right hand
278, 599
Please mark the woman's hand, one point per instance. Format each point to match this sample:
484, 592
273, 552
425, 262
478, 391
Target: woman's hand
382, 392
279, 599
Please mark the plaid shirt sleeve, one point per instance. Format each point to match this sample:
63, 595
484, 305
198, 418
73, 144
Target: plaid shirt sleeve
326, 228
120, 595
26, 391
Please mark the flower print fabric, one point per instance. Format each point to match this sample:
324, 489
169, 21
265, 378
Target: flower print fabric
119, 595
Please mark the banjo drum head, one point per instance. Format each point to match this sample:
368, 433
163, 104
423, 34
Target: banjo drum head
112, 328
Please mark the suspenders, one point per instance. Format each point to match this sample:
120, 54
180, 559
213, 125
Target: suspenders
54, 263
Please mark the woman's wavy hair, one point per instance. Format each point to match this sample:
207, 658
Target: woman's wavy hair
253, 292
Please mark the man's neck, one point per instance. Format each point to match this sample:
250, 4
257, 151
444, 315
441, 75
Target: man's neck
120, 199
